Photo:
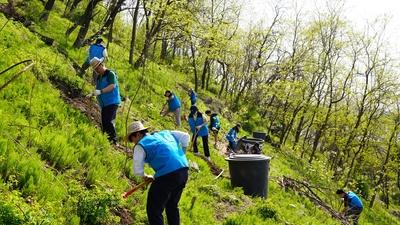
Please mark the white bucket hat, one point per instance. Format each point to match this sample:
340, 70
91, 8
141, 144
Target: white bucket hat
95, 62
135, 127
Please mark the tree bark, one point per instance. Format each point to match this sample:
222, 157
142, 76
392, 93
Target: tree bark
85, 23
196, 85
47, 8
164, 48
134, 28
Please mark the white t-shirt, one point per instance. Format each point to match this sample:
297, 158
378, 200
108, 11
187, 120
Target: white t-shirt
139, 154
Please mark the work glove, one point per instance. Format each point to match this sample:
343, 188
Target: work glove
148, 178
198, 127
213, 129
94, 93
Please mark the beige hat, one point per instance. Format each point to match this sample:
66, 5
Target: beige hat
95, 62
135, 127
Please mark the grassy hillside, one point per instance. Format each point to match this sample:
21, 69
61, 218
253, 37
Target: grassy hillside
57, 167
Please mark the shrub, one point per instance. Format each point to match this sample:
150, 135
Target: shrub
8, 216
266, 213
93, 207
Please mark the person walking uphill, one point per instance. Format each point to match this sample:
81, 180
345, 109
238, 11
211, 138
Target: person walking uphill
95, 50
164, 151
215, 124
232, 136
174, 106
199, 128
107, 93
192, 96
352, 205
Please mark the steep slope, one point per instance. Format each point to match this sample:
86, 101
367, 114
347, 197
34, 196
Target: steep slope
57, 168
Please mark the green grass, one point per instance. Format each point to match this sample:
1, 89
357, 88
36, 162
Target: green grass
57, 168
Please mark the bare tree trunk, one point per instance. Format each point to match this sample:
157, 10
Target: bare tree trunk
109, 21
86, 19
47, 8
204, 73
164, 48
151, 30
196, 85
71, 9
134, 28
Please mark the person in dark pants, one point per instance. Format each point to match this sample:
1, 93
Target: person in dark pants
232, 137
107, 93
164, 151
215, 125
192, 96
174, 106
199, 128
352, 205
95, 50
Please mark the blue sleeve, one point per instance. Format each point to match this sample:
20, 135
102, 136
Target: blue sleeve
230, 135
192, 125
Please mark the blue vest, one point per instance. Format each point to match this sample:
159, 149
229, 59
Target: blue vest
163, 153
110, 98
215, 121
353, 200
174, 103
96, 50
232, 135
199, 121
193, 97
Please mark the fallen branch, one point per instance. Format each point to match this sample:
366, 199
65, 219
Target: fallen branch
17, 74
305, 189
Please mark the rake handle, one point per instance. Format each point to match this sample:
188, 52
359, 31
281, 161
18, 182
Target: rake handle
137, 187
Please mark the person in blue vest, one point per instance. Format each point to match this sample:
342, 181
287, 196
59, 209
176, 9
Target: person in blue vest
352, 205
165, 152
174, 106
232, 137
199, 128
215, 125
107, 94
95, 50
192, 96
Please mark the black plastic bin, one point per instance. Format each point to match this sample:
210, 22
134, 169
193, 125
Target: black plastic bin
260, 135
250, 171
250, 145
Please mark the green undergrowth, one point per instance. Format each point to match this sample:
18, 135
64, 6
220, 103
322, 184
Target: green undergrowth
56, 167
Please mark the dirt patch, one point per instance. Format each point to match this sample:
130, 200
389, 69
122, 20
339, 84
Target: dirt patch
226, 207
215, 170
74, 97
396, 213
124, 214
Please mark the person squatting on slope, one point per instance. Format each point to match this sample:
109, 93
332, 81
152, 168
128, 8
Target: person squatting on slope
215, 125
192, 96
95, 50
199, 128
232, 137
352, 205
174, 106
107, 94
164, 151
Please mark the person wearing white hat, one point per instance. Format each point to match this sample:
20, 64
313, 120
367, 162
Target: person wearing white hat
107, 93
164, 151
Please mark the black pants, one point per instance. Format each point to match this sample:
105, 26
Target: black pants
354, 214
205, 145
108, 115
165, 193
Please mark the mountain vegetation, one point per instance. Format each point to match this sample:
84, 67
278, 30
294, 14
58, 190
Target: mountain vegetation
324, 92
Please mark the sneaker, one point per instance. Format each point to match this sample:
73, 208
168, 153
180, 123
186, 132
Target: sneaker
208, 158
196, 153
